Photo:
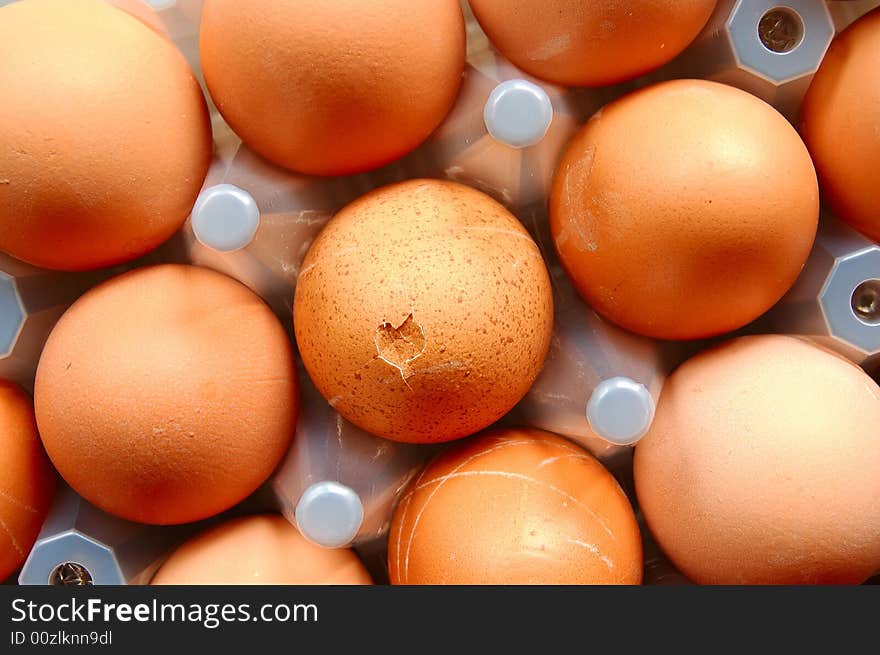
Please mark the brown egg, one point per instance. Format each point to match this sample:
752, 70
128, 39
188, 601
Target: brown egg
338, 87
514, 507
144, 12
840, 122
259, 550
684, 210
26, 478
762, 466
423, 311
594, 43
104, 135
167, 394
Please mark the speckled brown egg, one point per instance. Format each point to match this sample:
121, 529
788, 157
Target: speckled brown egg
330, 88
684, 210
840, 121
167, 394
423, 311
259, 550
591, 43
761, 466
27, 480
105, 138
514, 507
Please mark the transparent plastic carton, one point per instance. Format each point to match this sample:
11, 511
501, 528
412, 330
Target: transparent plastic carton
836, 300
339, 484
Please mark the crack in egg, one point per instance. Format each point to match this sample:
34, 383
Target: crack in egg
400, 346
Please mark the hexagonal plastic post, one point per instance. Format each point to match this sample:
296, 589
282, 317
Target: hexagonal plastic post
339, 484
31, 302
600, 384
769, 48
836, 299
81, 545
505, 134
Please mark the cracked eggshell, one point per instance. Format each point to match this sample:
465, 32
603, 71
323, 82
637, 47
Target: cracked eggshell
840, 122
424, 311
684, 210
27, 480
594, 43
331, 88
514, 507
259, 550
761, 466
167, 394
105, 138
